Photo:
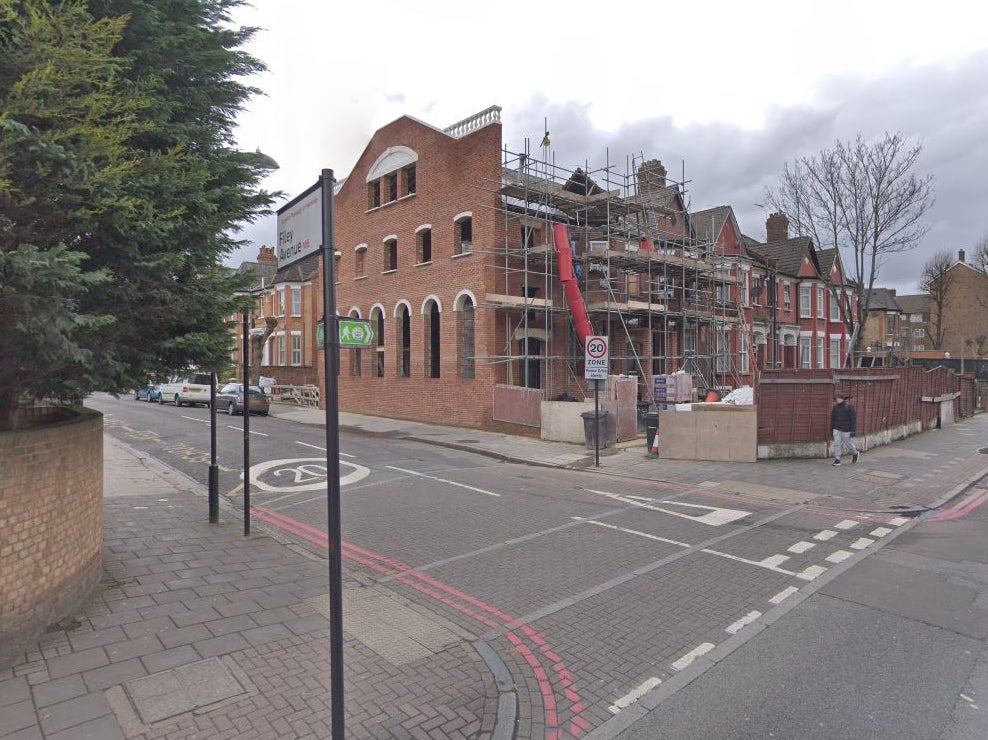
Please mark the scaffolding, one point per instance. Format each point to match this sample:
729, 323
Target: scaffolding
651, 280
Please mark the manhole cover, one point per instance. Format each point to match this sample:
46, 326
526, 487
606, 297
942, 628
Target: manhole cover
983, 450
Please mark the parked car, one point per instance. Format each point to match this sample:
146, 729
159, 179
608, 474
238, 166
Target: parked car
148, 392
186, 389
231, 398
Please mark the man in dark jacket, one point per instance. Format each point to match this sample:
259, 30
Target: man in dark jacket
844, 423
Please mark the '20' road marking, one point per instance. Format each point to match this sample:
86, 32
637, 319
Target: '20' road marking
300, 474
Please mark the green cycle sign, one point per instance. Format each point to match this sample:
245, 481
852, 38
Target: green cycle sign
353, 333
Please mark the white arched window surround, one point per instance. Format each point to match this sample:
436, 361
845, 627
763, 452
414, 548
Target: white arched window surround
393, 158
377, 307
423, 227
354, 313
458, 301
461, 216
402, 302
360, 247
439, 303
389, 238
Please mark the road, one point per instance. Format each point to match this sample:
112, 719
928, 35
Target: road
593, 590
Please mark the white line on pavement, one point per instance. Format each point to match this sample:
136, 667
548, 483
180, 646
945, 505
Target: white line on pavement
195, 418
861, 543
846, 524
747, 619
646, 535
899, 521
838, 556
444, 480
715, 516
825, 535
692, 655
757, 563
783, 595
773, 560
801, 547
812, 572
317, 447
634, 695
240, 429
879, 531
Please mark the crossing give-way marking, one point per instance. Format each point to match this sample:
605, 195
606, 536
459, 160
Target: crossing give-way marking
715, 516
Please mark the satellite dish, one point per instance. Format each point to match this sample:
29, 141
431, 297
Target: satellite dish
756, 291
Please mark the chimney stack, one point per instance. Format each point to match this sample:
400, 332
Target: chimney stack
960, 255
651, 176
776, 227
266, 256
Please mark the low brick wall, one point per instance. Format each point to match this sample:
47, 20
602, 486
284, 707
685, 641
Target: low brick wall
51, 522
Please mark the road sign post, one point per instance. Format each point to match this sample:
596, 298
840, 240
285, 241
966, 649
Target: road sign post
596, 360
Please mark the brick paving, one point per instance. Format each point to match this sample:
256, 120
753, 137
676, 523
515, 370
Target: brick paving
180, 596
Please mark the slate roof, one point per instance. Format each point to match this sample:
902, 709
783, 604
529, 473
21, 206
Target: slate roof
259, 273
788, 253
826, 258
299, 272
882, 300
919, 303
708, 223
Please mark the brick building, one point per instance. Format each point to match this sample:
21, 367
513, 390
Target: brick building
965, 310
916, 322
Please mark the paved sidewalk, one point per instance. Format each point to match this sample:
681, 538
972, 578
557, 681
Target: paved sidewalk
198, 632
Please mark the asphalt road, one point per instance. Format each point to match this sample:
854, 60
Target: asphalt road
612, 586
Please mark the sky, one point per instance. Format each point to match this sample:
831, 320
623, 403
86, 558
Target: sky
724, 93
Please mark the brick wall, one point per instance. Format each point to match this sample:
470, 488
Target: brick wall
51, 522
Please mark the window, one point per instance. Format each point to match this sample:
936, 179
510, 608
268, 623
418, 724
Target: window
723, 351
377, 316
465, 339
819, 352
689, 338
919, 347
819, 302
405, 332
374, 194
360, 261
408, 178
464, 233
787, 296
744, 289
835, 352
919, 333
390, 254
834, 308
804, 351
433, 355
756, 291
281, 302
296, 301
281, 348
530, 237
805, 298
296, 348
392, 180
743, 352
915, 318
423, 245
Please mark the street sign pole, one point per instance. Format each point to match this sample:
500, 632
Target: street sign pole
246, 425
331, 358
596, 359
596, 423
214, 469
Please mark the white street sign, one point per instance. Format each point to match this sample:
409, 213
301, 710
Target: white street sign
300, 226
595, 359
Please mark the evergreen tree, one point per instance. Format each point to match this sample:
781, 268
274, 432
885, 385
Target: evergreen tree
121, 182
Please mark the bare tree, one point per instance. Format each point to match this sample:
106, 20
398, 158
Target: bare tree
862, 198
980, 257
257, 340
935, 282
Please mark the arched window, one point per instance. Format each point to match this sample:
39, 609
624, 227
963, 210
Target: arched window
404, 321
463, 231
377, 319
390, 253
423, 244
360, 261
465, 336
431, 313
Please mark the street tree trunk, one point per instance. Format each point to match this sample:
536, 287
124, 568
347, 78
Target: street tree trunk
257, 342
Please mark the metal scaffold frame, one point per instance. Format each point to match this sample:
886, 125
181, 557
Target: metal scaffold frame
645, 275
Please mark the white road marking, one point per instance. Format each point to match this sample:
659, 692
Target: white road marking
634, 695
965, 697
196, 418
317, 447
783, 595
846, 524
692, 655
646, 535
747, 619
773, 560
715, 516
861, 543
444, 480
825, 535
812, 572
879, 531
301, 474
757, 563
838, 556
240, 429
801, 547
899, 521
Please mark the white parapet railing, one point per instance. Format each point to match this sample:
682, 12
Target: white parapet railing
300, 395
474, 122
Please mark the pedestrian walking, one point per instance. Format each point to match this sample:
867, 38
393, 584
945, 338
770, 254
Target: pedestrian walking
844, 424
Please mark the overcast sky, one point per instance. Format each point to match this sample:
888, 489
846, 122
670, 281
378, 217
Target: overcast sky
726, 92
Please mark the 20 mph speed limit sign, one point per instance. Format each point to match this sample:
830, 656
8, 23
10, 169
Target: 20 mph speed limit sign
595, 360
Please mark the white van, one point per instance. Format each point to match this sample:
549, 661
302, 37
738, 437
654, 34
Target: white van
186, 389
